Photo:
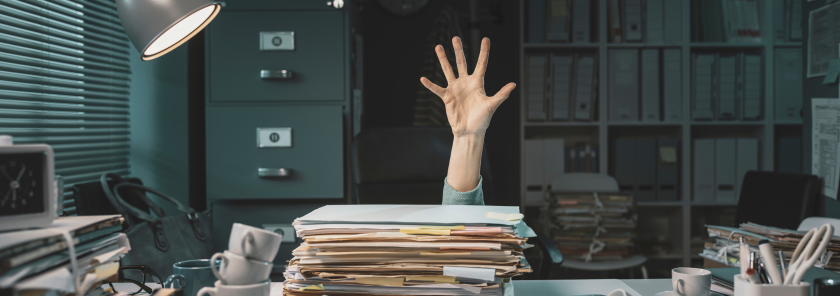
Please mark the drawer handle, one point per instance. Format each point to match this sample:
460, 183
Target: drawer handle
274, 173
277, 75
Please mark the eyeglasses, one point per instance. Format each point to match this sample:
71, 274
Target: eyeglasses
131, 274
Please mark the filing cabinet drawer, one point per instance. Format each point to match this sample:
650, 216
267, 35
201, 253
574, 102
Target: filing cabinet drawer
278, 4
314, 159
257, 215
306, 44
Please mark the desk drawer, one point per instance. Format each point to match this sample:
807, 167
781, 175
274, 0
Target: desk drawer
244, 44
257, 214
314, 158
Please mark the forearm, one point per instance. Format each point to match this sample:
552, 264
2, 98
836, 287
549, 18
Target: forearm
465, 162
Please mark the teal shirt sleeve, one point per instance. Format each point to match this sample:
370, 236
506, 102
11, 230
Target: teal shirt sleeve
472, 197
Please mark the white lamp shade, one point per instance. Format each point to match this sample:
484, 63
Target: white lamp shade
156, 27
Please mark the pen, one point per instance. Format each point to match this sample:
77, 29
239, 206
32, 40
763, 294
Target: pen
744, 253
752, 277
782, 263
769, 261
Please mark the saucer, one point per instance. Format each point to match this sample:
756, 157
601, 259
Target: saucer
667, 293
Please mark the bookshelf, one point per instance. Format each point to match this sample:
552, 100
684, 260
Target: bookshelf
685, 215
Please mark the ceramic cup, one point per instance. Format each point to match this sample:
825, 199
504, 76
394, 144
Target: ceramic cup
236, 270
689, 281
254, 243
261, 289
191, 275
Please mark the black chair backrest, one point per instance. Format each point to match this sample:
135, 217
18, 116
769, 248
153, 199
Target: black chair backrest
778, 199
406, 165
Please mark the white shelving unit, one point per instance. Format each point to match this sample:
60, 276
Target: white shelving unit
687, 130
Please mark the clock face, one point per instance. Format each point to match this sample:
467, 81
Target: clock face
21, 183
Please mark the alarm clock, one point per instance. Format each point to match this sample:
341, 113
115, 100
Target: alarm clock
26, 185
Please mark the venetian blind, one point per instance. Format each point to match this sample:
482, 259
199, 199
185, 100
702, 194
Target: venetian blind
64, 81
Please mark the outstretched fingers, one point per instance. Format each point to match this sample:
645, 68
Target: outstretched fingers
504, 93
483, 56
444, 63
439, 91
459, 57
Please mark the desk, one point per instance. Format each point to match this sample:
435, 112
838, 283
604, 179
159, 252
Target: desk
556, 287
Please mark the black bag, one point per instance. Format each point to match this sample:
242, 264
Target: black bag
158, 240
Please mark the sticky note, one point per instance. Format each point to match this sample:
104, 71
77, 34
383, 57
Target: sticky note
318, 287
668, 154
832, 72
425, 231
381, 281
484, 274
504, 217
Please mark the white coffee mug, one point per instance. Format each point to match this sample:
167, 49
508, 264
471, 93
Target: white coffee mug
236, 270
261, 289
688, 281
254, 243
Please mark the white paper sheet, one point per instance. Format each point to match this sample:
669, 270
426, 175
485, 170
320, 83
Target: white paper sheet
823, 36
408, 214
825, 155
484, 274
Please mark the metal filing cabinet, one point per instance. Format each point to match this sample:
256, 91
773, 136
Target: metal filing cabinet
276, 141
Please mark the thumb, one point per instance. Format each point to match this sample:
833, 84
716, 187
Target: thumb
504, 93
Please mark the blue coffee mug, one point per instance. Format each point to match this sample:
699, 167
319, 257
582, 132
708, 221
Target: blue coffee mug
191, 275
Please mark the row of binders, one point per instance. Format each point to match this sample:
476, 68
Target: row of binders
645, 85
787, 16
648, 168
720, 166
567, 21
548, 158
726, 86
38, 261
562, 87
651, 21
408, 250
736, 21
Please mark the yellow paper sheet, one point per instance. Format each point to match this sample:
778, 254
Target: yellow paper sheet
381, 281
425, 231
504, 217
106, 270
442, 279
318, 287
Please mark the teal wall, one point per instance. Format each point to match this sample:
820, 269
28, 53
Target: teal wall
158, 106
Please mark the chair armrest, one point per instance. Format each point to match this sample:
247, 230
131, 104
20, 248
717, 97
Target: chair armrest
549, 249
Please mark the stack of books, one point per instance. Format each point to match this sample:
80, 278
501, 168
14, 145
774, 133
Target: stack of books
39, 260
593, 226
407, 250
785, 240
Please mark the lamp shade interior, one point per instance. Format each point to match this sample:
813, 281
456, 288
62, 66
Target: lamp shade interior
180, 32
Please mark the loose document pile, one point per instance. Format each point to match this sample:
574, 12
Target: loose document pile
723, 244
596, 227
408, 250
38, 261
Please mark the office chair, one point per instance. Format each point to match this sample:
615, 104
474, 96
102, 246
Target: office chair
778, 199
406, 165
590, 182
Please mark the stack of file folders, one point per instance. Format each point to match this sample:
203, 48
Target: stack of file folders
593, 226
408, 250
785, 240
37, 261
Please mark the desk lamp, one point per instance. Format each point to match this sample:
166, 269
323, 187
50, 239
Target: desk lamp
156, 27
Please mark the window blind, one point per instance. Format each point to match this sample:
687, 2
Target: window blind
64, 81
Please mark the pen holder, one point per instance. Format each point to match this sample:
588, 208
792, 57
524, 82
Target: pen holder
745, 288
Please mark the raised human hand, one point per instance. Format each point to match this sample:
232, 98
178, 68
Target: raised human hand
468, 108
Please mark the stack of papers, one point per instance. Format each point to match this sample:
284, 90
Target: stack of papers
595, 229
407, 250
785, 240
39, 259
